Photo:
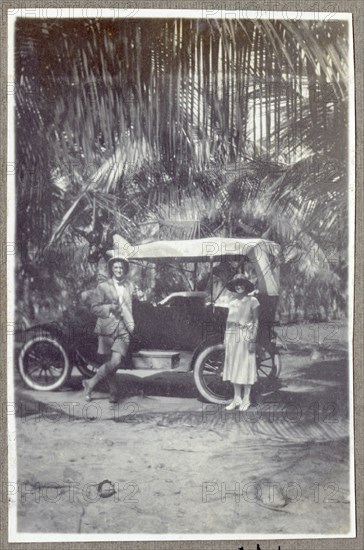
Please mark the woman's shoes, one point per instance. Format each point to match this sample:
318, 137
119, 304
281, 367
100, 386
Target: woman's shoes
233, 405
244, 406
88, 392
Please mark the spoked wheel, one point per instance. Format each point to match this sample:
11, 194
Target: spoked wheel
43, 363
208, 375
268, 363
209, 366
85, 367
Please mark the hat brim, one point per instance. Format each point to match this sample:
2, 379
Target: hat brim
231, 285
118, 259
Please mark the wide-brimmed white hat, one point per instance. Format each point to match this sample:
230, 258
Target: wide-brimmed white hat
115, 256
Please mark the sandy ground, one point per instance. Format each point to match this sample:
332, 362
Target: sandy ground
178, 465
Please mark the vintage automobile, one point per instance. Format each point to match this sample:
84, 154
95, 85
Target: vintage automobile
184, 321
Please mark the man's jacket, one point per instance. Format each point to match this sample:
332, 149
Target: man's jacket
108, 322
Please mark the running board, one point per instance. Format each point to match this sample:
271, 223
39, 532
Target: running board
156, 360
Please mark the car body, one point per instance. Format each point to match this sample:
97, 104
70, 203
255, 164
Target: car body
183, 321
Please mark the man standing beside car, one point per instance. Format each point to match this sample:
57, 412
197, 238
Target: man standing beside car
112, 304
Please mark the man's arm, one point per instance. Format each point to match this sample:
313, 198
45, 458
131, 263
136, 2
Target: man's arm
127, 308
98, 306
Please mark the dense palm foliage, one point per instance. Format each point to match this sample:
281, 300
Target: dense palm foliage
238, 125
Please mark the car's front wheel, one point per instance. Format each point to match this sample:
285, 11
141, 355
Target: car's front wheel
43, 363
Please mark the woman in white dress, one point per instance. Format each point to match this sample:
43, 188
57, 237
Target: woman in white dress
240, 337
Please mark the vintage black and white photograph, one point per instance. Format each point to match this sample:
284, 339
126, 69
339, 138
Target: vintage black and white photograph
180, 284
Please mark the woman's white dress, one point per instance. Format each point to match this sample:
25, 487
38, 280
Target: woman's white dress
240, 364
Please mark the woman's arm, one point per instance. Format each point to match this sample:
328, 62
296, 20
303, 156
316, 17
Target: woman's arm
255, 323
255, 319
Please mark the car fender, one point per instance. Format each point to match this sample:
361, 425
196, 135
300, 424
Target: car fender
213, 340
54, 329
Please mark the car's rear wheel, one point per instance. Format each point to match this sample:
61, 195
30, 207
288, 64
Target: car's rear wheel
209, 365
207, 372
268, 363
43, 363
